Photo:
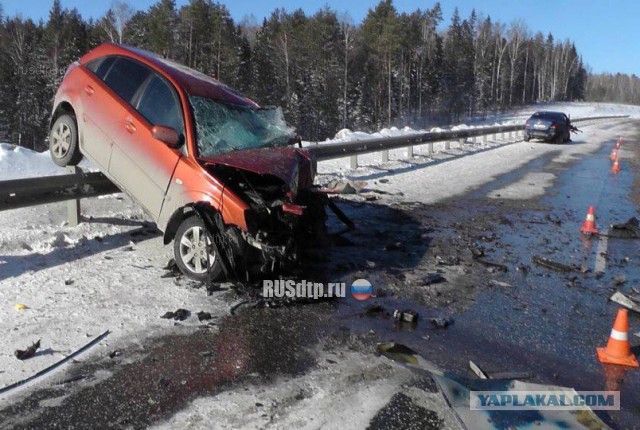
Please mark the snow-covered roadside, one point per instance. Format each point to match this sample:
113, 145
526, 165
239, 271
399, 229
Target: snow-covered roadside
17, 162
465, 169
78, 282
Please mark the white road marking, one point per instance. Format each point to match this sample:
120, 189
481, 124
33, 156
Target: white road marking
601, 261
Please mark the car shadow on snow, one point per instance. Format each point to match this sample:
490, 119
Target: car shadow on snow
12, 266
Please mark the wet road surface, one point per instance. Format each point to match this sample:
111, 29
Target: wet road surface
546, 323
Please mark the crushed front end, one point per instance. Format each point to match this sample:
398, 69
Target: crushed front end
286, 211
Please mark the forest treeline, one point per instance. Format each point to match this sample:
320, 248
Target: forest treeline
326, 71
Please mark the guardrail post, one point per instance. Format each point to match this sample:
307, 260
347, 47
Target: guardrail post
484, 138
410, 152
461, 142
353, 161
503, 135
73, 206
385, 156
430, 147
447, 145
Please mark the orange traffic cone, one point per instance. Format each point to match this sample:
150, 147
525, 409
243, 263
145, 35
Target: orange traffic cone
589, 226
619, 142
618, 350
616, 165
614, 155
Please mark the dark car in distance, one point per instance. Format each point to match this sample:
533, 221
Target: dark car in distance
549, 126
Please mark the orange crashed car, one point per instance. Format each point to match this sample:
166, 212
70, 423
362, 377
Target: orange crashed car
215, 171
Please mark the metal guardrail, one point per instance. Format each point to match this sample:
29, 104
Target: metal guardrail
20, 193
331, 151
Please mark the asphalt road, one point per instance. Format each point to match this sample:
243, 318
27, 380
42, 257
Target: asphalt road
545, 322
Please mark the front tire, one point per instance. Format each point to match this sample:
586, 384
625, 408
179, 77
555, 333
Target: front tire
190, 250
63, 141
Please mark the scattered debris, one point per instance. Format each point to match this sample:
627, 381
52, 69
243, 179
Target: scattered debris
627, 230
549, 264
433, 278
475, 369
27, 353
619, 280
625, 301
457, 390
373, 310
491, 265
68, 282
115, 353
394, 246
172, 270
55, 365
494, 283
21, 307
498, 375
406, 316
448, 261
383, 181
554, 219
203, 316
344, 186
406, 356
179, 315
441, 322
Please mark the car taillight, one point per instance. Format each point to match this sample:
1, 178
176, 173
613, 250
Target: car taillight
553, 125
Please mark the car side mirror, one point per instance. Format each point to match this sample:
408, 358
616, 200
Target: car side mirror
167, 135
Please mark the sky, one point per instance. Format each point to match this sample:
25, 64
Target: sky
606, 32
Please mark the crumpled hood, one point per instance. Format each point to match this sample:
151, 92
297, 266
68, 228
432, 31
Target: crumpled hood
285, 163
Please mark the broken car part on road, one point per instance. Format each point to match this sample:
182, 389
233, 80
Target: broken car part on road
456, 390
54, 366
29, 352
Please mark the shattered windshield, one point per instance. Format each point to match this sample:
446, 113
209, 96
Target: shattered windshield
224, 127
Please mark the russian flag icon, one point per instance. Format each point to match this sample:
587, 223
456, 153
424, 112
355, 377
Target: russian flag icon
361, 289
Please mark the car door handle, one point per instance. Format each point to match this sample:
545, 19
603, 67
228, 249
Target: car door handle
131, 128
89, 90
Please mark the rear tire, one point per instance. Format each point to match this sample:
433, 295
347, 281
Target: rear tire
63, 141
190, 248
526, 138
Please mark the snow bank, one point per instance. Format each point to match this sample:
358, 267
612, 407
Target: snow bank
18, 162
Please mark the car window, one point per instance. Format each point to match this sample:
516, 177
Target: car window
125, 78
159, 105
100, 66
